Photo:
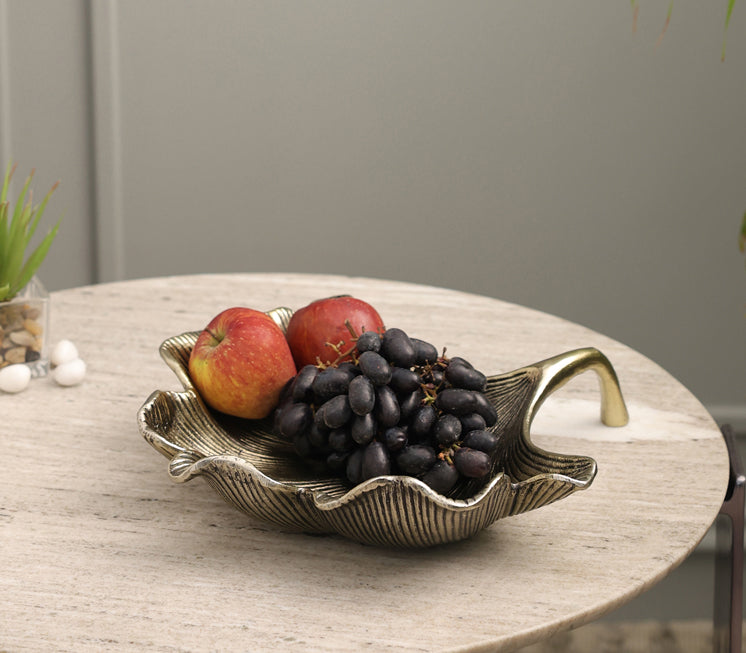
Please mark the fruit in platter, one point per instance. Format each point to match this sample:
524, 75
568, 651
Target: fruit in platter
319, 331
240, 363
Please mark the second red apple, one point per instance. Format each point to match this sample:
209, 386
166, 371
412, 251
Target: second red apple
313, 329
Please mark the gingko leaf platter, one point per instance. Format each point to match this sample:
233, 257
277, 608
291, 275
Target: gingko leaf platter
260, 474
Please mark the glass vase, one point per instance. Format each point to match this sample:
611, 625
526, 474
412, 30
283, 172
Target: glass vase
24, 326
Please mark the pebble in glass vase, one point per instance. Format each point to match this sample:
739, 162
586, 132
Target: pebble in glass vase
24, 325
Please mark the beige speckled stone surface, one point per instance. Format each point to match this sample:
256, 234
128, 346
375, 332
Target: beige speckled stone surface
101, 550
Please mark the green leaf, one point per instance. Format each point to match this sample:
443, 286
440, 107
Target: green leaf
39, 212
16, 234
17, 244
3, 232
666, 24
731, 4
21, 199
35, 260
8, 174
4, 216
5, 292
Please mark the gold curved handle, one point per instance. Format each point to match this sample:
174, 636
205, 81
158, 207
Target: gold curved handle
558, 370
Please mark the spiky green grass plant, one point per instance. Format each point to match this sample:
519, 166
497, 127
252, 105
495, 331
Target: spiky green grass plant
17, 227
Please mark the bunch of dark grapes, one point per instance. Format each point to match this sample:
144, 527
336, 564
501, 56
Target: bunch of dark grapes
391, 405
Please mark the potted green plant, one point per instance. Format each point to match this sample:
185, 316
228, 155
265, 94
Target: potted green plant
24, 302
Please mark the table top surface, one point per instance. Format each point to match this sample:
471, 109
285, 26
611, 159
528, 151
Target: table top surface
101, 550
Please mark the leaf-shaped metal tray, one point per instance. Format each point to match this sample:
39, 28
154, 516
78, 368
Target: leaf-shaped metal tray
261, 475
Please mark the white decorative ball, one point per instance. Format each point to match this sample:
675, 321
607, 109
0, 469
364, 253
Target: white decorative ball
64, 352
14, 378
69, 373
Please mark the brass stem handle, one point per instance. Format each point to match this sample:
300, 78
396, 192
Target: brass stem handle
558, 370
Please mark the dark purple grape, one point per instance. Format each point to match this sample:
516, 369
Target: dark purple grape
397, 348
386, 411
331, 382
435, 377
409, 404
318, 436
481, 440
485, 409
277, 415
395, 438
362, 395
375, 367
301, 388
350, 367
337, 460
376, 461
302, 445
456, 401
286, 397
423, 421
461, 376
354, 468
447, 430
471, 463
294, 419
460, 361
424, 352
286, 391
337, 411
368, 341
363, 428
318, 418
441, 477
340, 440
472, 422
416, 459
403, 380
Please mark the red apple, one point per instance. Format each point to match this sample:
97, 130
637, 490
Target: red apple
240, 363
313, 329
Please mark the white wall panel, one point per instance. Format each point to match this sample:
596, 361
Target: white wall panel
107, 140
5, 125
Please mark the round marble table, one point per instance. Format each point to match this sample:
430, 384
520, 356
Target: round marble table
101, 550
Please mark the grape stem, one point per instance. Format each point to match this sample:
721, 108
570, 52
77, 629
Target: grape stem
352, 331
430, 389
447, 454
341, 355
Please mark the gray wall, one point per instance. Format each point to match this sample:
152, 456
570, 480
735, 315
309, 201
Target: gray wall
539, 152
